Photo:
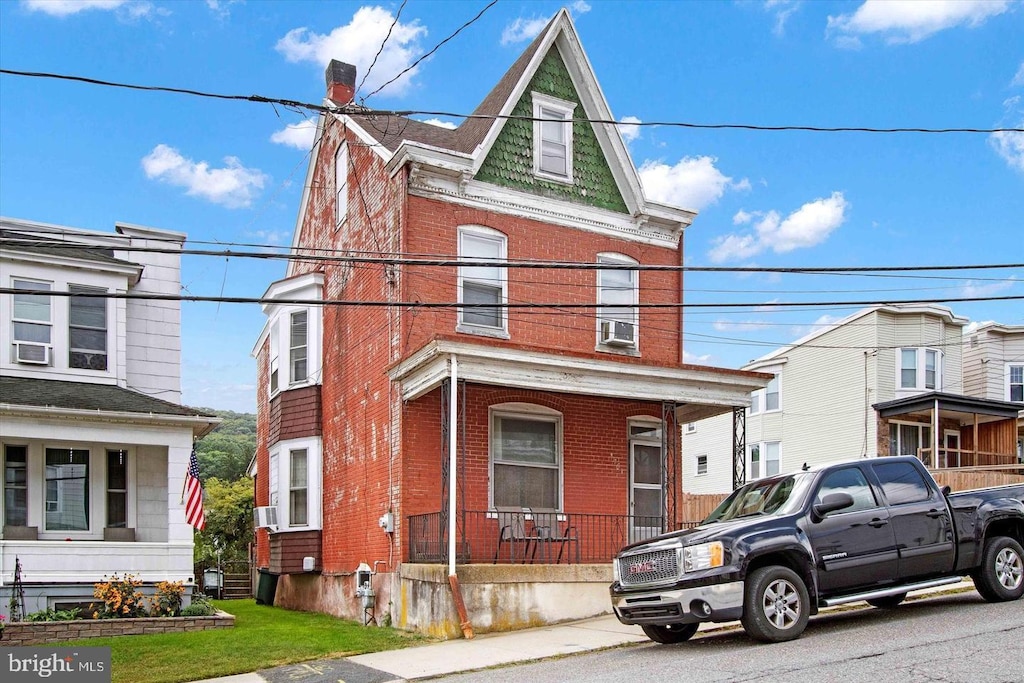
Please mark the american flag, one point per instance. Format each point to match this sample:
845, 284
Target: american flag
193, 494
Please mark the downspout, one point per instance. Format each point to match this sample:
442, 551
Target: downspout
453, 579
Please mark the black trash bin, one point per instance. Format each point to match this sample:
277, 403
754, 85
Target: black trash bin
266, 588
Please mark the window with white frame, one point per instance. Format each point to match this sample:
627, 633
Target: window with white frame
1015, 382
87, 328
768, 399
691, 427
482, 285
67, 489
272, 481
617, 298
919, 368
15, 485
275, 345
702, 465
32, 322
298, 488
526, 458
298, 346
341, 183
117, 488
906, 438
552, 138
755, 402
764, 459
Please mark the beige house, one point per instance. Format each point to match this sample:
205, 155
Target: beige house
886, 380
994, 367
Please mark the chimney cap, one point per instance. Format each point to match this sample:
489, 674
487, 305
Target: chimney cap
340, 73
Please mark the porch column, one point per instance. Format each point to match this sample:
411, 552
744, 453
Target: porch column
935, 435
670, 464
739, 446
452, 461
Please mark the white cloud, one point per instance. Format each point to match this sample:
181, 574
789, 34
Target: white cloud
220, 8
357, 43
126, 9
580, 7
808, 226
977, 289
628, 128
723, 325
783, 9
1018, 80
693, 183
1009, 145
522, 30
298, 135
233, 186
693, 359
818, 325
910, 21
442, 124
974, 325
742, 217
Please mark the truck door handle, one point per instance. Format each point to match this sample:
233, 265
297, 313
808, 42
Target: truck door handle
877, 523
936, 513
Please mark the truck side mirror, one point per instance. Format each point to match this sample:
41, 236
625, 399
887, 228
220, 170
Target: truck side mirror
831, 503
945, 490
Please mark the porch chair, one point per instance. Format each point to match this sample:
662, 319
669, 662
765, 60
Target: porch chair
548, 530
512, 530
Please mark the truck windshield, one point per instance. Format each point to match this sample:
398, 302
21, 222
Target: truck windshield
775, 496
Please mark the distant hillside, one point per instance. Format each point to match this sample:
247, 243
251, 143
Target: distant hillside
225, 452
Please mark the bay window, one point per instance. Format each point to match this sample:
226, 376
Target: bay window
919, 369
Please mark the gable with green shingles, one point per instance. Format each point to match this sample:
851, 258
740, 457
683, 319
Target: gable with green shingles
510, 160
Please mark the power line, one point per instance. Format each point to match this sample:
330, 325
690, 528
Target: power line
391, 28
362, 111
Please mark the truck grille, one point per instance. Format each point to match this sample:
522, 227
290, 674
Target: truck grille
651, 567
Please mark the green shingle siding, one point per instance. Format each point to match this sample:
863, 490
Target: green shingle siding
510, 161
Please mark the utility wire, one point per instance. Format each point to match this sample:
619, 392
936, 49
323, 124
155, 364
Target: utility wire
362, 111
391, 28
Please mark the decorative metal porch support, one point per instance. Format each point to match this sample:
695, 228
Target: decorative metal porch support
670, 464
461, 479
739, 447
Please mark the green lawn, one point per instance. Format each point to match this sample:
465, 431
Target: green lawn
261, 638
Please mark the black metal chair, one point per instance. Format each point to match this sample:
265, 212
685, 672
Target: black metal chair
512, 530
548, 530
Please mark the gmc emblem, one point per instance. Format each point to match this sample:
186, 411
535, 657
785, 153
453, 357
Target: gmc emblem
641, 567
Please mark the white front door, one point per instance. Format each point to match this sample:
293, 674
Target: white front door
646, 482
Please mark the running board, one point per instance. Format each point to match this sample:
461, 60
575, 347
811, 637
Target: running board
891, 590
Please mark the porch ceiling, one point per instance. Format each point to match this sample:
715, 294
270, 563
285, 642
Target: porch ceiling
950, 406
703, 391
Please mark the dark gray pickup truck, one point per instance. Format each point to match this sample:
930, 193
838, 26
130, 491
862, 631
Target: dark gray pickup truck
780, 548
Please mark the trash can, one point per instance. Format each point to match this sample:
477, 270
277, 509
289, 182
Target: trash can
213, 582
266, 588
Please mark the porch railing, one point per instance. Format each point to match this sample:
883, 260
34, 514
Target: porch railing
959, 457
530, 538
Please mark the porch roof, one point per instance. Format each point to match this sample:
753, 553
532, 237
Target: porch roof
702, 391
27, 394
949, 403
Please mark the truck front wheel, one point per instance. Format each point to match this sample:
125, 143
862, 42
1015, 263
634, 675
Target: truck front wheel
776, 606
673, 633
1001, 574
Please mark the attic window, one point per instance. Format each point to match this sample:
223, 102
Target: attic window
552, 138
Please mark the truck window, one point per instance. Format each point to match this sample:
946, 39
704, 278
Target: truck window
848, 480
902, 483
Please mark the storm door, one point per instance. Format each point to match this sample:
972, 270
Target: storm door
646, 481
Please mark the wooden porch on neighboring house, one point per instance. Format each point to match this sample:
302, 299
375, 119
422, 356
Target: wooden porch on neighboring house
952, 432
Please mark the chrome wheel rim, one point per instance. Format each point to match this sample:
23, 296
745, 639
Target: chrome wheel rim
1009, 569
781, 604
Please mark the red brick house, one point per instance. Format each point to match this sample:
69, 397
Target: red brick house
435, 448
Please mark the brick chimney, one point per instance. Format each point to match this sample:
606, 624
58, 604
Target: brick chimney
341, 82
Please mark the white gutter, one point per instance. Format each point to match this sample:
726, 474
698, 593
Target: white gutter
206, 423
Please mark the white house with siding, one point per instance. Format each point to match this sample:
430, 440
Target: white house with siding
94, 441
818, 409
994, 367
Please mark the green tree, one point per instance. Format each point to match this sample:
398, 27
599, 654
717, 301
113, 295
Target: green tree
228, 506
226, 451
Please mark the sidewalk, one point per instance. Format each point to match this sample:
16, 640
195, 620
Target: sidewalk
486, 650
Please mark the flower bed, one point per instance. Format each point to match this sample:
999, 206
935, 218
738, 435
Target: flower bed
43, 632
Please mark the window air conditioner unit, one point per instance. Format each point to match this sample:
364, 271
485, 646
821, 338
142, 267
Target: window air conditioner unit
266, 517
32, 353
617, 333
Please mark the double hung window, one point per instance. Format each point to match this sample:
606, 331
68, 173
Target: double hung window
920, 368
15, 486
482, 285
526, 460
1015, 382
552, 138
87, 328
618, 297
298, 343
765, 459
341, 183
67, 489
298, 488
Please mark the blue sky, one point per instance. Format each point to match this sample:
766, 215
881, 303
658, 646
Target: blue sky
231, 172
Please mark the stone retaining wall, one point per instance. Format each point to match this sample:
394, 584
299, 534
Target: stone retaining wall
43, 632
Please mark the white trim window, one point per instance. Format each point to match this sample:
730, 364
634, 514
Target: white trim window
701, 465
618, 294
483, 284
341, 183
1015, 382
32, 322
907, 438
67, 489
526, 457
764, 459
15, 485
769, 399
117, 488
87, 328
275, 352
298, 346
552, 138
294, 484
919, 369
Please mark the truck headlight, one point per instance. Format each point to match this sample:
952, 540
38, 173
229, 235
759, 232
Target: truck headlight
703, 556
615, 570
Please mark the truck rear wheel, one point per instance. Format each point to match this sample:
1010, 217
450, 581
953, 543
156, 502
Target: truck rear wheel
776, 606
1001, 574
672, 633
